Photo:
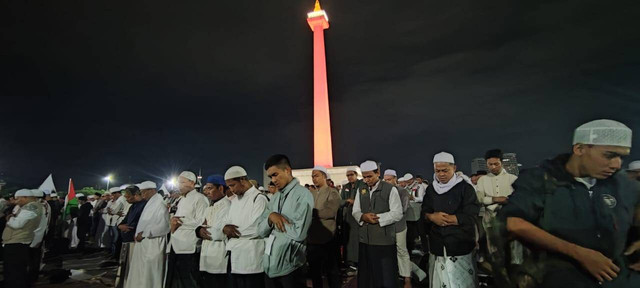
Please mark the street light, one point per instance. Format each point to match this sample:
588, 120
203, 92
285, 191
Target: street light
108, 179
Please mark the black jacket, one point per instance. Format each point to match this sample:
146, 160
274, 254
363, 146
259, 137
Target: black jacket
461, 201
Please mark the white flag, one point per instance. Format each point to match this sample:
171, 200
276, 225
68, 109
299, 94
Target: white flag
47, 186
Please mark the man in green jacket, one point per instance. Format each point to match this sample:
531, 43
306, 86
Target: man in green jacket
284, 224
577, 211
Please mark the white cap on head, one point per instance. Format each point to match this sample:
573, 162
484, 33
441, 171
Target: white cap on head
79, 195
234, 172
147, 185
368, 165
261, 188
122, 188
401, 179
91, 196
634, 166
352, 169
603, 132
107, 193
23, 193
407, 176
114, 189
37, 193
189, 176
444, 157
390, 172
321, 169
53, 194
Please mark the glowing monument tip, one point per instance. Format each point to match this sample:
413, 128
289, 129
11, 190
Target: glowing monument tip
317, 8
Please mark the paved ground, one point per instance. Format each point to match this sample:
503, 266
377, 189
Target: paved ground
94, 270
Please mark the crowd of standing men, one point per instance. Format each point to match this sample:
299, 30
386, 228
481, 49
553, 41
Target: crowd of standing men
572, 221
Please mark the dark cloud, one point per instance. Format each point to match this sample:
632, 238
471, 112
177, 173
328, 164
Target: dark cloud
146, 88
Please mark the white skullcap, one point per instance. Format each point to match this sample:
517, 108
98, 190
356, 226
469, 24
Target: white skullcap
603, 132
368, 165
234, 172
443, 157
407, 176
91, 196
122, 188
188, 175
79, 195
261, 188
23, 193
146, 185
321, 169
352, 169
114, 189
107, 193
390, 172
633, 166
401, 179
37, 193
53, 194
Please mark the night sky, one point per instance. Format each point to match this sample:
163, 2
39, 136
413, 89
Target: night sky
144, 89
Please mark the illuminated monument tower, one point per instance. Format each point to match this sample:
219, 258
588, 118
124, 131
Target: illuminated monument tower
322, 152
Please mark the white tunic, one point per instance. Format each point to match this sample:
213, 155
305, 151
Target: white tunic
395, 208
154, 219
191, 207
43, 227
213, 256
120, 205
246, 251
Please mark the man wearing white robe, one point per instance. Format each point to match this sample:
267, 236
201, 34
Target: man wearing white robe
148, 263
240, 226
183, 255
213, 254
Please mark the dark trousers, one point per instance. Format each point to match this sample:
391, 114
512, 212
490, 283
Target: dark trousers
213, 280
83, 229
323, 259
16, 263
291, 280
417, 229
116, 242
244, 280
377, 266
35, 258
183, 270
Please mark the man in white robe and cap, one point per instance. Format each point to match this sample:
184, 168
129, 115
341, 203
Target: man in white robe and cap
240, 227
377, 208
182, 270
147, 266
451, 208
404, 261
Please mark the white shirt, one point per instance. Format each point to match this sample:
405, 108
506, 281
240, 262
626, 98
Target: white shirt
154, 219
191, 207
417, 190
395, 208
246, 251
105, 213
43, 226
491, 185
120, 205
213, 256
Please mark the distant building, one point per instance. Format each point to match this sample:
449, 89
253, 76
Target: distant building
478, 164
509, 163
